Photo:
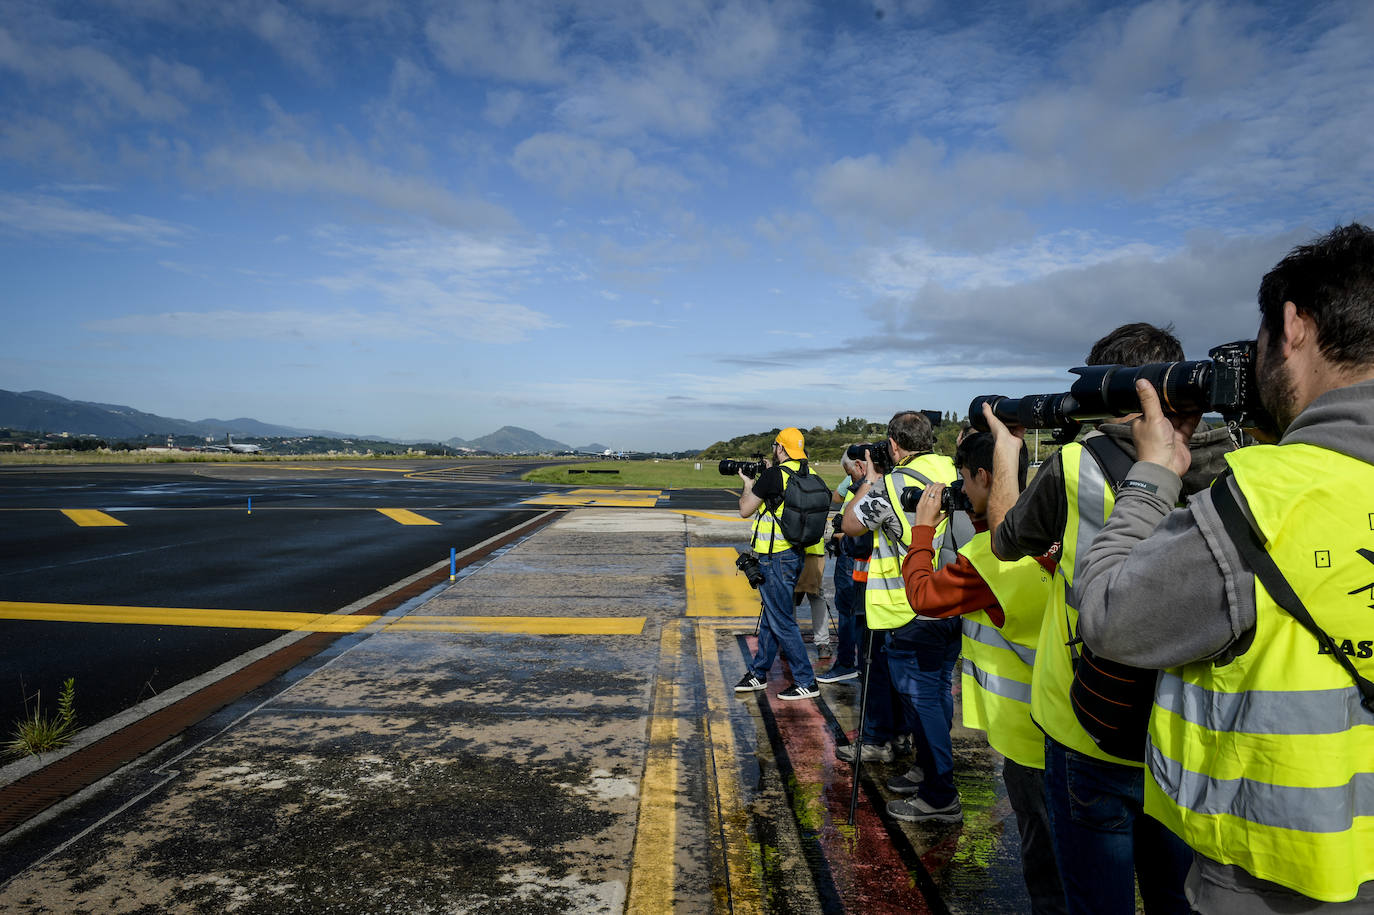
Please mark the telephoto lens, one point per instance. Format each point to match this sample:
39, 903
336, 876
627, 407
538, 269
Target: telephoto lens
750, 469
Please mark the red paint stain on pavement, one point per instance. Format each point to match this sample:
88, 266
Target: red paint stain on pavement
869, 874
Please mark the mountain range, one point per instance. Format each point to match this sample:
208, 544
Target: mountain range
40, 411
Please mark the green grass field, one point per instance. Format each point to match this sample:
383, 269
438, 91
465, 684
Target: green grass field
653, 475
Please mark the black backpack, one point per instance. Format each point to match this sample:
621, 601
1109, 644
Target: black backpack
805, 508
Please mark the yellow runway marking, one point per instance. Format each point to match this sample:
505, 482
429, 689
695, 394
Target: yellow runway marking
729, 815
712, 515
715, 587
653, 868
89, 517
316, 622
406, 516
600, 498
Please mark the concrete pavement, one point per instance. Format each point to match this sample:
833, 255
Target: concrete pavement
574, 747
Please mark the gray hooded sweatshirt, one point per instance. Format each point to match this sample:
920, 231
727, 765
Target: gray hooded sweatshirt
1161, 587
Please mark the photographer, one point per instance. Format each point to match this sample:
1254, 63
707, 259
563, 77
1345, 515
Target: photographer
1002, 604
920, 652
1093, 713
845, 666
1261, 739
781, 564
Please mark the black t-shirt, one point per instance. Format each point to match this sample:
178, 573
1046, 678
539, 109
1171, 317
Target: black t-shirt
770, 483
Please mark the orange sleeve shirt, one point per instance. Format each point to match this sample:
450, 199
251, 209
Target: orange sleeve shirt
952, 590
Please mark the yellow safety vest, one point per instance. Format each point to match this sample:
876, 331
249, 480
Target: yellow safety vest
998, 661
860, 573
768, 538
1267, 762
885, 600
1090, 501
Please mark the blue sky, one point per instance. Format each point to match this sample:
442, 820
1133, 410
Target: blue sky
648, 224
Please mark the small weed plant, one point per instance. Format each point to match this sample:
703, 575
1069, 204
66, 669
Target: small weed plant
37, 733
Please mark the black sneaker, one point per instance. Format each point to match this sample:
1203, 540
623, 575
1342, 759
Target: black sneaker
750, 684
799, 692
838, 674
918, 811
908, 782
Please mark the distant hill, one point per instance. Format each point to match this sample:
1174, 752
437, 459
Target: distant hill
45, 412
511, 440
40, 411
594, 446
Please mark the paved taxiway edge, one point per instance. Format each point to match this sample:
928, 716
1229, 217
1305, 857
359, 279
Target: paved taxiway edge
34, 767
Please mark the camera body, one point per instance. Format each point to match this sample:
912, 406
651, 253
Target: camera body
879, 452
748, 563
1223, 384
750, 469
952, 499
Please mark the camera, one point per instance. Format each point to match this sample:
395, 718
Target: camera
878, 451
952, 499
1223, 384
750, 469
748, 563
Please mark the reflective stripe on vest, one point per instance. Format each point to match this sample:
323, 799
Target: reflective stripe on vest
998, 662
1267, 762
885, 600
860, 572
768, 536
1090, 500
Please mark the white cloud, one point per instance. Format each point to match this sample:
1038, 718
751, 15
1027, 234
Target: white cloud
52, 216
516, 41
503, 106
577, 165
102, 78
290, 166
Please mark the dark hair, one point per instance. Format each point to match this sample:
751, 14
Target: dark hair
911, 430
975, 453
1137, 344
1331, 279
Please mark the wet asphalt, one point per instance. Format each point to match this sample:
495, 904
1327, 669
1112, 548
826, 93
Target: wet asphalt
504, 771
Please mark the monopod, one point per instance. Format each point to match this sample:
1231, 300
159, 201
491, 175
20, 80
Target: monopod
863, 717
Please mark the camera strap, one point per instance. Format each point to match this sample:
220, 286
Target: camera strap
1111, 457
1251, 548
1116, 465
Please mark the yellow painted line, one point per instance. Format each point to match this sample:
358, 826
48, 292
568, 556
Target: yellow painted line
315, 622
181, 616
89, 517
534, 625
715, 587
712, 515
406, 516
728, 815
600, 498
652, 868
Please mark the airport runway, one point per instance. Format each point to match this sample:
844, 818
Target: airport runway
142, 539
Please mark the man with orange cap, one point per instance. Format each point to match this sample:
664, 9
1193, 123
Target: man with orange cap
781, 564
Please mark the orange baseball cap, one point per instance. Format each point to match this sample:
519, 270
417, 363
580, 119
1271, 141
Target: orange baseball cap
792, 442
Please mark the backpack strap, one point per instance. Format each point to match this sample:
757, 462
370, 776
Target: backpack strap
1111, 457
1251, 547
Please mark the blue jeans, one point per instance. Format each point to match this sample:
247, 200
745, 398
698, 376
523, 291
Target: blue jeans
846, 653
921, 656
778, 625
1103, 838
